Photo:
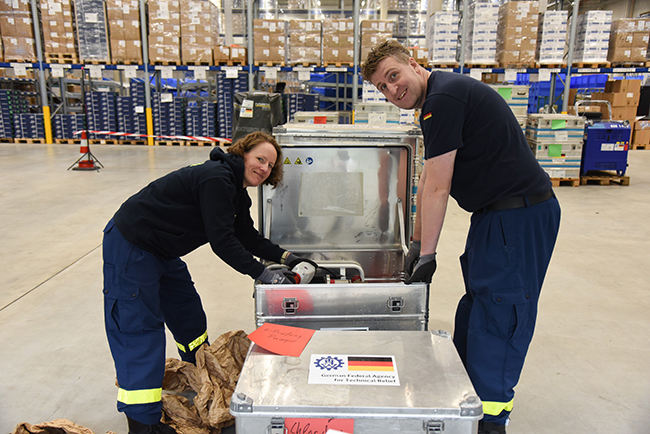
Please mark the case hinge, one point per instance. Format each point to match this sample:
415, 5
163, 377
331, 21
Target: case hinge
277, 426
435, 426
290, 305
395, 304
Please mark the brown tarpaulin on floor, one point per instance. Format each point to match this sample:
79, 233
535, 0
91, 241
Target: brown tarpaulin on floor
213, 380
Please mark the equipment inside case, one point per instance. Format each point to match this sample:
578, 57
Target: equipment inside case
345, 204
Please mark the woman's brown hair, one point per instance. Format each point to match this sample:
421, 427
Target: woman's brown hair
246, 144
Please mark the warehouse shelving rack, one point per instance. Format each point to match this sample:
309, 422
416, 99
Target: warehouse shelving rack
318, 77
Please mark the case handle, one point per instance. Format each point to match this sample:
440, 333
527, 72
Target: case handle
402, 235
267, 217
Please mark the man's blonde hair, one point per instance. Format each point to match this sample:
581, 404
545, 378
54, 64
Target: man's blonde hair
390, 48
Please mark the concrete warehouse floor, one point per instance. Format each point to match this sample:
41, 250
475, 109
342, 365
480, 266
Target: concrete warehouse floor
588, 369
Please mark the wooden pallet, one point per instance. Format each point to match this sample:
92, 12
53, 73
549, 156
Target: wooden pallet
129, 62
306, 64
443, 65
95, 61
516, 65
603, 178
6, 140
628, 64
591, 65
481, 65
550, 65
29, 141
169, 143
205, 63
570, 182
133, 142
167, 63
639, 146
226, 63
67, 141
338, 64
103, 142
21, 60
201, 143
62, 58
269, 63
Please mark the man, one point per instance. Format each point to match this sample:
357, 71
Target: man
476, 152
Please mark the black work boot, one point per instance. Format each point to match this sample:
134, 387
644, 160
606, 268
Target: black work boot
490, 428
136, 427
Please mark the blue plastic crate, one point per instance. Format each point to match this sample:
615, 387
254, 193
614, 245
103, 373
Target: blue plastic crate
606, 147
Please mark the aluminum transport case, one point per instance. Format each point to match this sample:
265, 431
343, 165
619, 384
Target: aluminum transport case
422, 388
344, 203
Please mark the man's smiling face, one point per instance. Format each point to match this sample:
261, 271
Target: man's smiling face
402, 84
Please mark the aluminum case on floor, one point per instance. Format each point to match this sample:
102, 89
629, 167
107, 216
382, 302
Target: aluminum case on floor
345, 199
432, 393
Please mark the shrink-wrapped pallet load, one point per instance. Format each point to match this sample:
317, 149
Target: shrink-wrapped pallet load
92, 31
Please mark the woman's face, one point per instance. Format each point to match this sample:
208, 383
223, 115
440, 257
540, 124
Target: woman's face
258, 163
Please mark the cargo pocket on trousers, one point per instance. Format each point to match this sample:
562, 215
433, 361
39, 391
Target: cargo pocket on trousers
122, 307
508, 313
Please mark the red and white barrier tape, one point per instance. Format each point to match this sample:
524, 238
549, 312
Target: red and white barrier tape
189, 138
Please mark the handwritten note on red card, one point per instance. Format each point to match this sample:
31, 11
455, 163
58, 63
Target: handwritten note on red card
319, 426
281, 339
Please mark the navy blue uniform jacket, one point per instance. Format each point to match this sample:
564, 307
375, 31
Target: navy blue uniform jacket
192, 206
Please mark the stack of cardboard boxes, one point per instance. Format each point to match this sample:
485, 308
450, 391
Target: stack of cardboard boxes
124, 24
551, 38
338, 42
17, 31
442, 37
199, 31
164, 31
628, 40
373, 33
623, 96
305, 42
641, 135
482, 26
270, 41
58, 33
591, 44
517, 34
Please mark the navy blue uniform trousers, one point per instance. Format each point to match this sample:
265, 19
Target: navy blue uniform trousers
142, 293
505, 260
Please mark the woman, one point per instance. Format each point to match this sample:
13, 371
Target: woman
147, 285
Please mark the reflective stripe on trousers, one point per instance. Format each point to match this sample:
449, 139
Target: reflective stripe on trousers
194, 344
146, 396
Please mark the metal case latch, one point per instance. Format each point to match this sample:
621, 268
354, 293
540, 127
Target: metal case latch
395, 304
435, 426
276, 427
290, 305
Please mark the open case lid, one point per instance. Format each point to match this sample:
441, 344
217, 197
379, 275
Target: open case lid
345, 195
426, 378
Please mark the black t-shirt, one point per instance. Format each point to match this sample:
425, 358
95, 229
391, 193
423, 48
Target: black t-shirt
493, 159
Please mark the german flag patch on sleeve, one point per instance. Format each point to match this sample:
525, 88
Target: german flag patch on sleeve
426, 116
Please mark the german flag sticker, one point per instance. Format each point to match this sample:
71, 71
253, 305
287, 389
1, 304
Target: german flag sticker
427, 116
370, 364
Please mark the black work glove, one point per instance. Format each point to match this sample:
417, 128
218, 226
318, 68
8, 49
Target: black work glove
423, 270
411, 257
271, 277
